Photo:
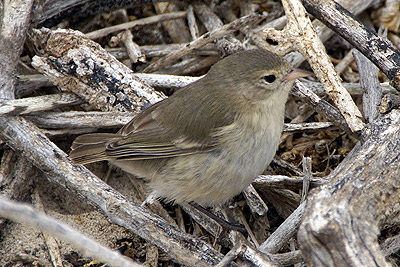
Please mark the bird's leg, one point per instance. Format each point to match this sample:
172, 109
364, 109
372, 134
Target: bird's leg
223, 223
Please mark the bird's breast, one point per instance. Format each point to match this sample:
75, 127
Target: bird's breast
252, 139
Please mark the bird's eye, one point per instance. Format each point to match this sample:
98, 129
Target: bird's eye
269, 78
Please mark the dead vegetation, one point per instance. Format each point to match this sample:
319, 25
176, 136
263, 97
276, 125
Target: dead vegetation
86, 67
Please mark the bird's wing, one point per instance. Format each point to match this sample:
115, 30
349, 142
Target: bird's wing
145, 138
161, 132
141, 121
149, 144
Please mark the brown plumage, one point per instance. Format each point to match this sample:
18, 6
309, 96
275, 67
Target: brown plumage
209, 140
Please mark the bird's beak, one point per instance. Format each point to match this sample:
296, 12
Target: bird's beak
295, 74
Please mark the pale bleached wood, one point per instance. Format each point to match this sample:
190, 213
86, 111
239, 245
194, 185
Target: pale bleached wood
304, 126
193, 27
300, 34
324, 33
26, 84
379, 50
307, 170
353, 88
256, 257
289, 182
25, 214
369, 82
49, 239
254, 201
391, 245
345, 62
38, 103
177, 29
242, 249
389, 102
164, 49
128, 25
13, 165
284, 232
226, 45
205, 39
81, 120
343, 217
79, 65
126, 37
14, 21
321, 106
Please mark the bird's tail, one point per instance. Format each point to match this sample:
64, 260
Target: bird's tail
90, 148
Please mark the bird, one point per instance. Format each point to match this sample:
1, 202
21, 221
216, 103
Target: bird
209, 140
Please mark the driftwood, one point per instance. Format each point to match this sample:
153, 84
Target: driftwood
205, 39
362, 189
343, 218
41, 103
85, 68
372, 90
125, 26
299, 33
23, 213
379, 50
225, 45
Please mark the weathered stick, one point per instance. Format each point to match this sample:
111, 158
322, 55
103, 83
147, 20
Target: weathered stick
284, 232
25, 214
127, 25
226, 45
377, 49
324, 33
79, 65
300, 33
370, 84
321, 106
177, 29
38, 103
343, 217
14, 21
205, 39
279, 181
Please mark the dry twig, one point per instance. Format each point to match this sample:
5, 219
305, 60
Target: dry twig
205, 39
23, 213
343, 217
127, 25
79, 65
300, 33
377, 49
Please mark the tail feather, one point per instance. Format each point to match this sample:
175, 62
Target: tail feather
90, 148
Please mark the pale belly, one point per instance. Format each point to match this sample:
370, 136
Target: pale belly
213, 178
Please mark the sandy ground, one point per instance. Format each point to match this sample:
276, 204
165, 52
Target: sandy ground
21, 245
